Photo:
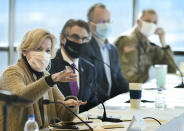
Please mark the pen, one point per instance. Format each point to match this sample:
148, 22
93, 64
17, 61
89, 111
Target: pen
144, 101
126, 120
75, 123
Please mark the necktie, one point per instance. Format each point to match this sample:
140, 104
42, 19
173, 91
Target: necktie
73, 85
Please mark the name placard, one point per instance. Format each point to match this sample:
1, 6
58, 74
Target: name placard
137, 123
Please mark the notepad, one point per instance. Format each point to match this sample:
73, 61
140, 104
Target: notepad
112, 125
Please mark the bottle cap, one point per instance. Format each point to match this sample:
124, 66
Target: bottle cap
31, 116
159, 89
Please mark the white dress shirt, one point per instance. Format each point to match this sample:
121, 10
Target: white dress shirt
76, 62
104, 49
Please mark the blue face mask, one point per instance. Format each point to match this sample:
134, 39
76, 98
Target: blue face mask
103, 30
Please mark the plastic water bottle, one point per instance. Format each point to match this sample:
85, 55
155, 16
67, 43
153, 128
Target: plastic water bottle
160, 100
31, 124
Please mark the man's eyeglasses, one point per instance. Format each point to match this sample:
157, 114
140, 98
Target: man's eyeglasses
76, 37
102, 22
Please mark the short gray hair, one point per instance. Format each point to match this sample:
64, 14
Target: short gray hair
143, 12
92, 8
70, 23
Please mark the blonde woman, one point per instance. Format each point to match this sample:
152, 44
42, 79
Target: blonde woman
28, 78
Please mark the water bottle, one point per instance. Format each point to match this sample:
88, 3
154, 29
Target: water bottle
160, 100
31, 124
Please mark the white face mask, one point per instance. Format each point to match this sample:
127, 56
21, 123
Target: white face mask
39, 60
103, 30
148, 28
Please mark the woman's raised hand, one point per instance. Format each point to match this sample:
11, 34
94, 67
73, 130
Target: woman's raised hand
64, 76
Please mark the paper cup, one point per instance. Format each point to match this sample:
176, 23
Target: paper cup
160, 75
135, 95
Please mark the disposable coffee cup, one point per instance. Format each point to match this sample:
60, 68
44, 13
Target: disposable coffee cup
135, 95
160, 75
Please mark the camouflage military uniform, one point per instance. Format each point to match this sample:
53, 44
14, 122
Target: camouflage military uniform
137, 55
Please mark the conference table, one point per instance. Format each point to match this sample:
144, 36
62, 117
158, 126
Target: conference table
116, 107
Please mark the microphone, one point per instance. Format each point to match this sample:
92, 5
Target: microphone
95, 58
181, 75
90, 65
46, 101
88, 62
67, 64
104, 117
11, 98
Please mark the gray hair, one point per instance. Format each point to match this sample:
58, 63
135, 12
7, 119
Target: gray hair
143, 12
92, 8
70, 23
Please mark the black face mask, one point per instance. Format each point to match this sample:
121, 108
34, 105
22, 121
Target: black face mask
72, 48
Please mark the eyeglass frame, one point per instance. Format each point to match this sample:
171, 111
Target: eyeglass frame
76, 37
102, 22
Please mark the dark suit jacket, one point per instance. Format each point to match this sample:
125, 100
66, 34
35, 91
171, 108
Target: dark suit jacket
119, 83
87, 90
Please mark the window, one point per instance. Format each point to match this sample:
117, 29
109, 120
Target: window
4, 33
4, 23
171, 18
52, 15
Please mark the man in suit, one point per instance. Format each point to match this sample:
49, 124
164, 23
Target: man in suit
110, 80
74, 35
